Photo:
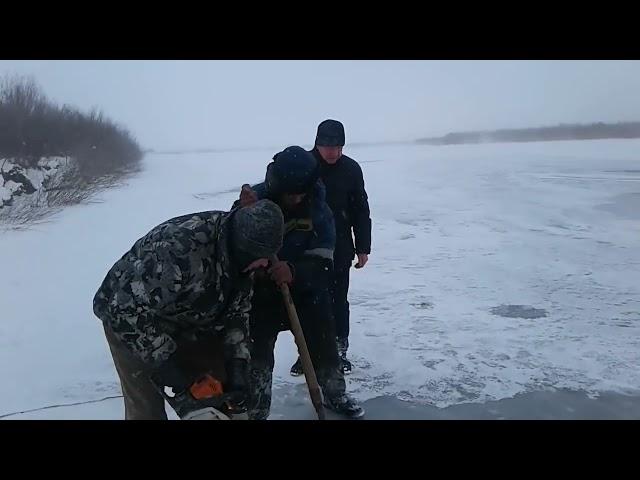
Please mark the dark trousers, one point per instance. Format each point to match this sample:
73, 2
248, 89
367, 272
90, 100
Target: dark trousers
339, 290
270, 318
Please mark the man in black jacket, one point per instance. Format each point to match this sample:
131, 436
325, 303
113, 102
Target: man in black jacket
348, 200
292, 181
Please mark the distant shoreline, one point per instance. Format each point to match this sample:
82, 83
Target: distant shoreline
594, 131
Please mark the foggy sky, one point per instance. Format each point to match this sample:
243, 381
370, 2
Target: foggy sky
223, 104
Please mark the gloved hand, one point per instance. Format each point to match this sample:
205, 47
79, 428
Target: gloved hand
281, 272
168, 374
189, 395
247, 196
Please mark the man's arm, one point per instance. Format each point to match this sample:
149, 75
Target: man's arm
236, 321
359, 206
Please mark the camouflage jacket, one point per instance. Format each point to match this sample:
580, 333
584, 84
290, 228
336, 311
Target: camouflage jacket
174, 282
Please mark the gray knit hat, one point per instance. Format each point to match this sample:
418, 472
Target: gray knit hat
258, 229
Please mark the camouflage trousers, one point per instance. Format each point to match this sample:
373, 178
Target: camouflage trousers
142, 401
267, 320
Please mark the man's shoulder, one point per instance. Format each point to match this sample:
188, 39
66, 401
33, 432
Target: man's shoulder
319, 192
199, 225
196, 219
350, 163
349, 159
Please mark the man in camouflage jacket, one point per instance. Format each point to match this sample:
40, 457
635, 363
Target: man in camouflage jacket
176, 306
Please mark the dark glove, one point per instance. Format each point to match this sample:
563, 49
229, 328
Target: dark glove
189, 394
281, 272
168, 374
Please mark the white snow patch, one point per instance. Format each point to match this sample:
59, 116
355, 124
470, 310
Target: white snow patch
458, 230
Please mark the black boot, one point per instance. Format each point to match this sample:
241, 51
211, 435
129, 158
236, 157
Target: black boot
345, 405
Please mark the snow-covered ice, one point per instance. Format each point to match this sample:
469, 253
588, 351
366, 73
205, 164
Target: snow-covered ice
498, 270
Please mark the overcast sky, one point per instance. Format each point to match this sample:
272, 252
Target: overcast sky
195, 104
